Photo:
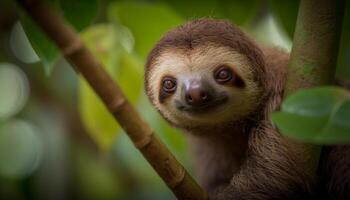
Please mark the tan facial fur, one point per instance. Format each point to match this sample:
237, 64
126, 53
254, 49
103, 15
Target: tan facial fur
201, 62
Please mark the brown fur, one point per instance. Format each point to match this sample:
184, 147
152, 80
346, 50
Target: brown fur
335, 173
247, 158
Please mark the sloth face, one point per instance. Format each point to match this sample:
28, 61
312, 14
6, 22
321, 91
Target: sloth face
207, 85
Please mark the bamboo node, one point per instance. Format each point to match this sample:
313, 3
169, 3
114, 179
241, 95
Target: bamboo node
177, 180
74, 47
115, 106
146, 140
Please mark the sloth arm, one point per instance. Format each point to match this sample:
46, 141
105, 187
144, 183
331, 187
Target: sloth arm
275, 168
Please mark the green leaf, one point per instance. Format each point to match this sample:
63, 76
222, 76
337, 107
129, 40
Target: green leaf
44, 48
286, 12
147, 21
105, 42
319, 115
79, 13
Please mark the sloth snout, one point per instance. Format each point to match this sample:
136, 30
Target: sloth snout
197, 96
197, 93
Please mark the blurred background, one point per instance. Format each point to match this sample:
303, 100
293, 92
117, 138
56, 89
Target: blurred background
57, 141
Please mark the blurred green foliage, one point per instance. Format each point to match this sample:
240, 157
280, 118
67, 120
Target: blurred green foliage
79, 13
20, 45
120, 33
146, 21
104, 40
43, 47
286, 13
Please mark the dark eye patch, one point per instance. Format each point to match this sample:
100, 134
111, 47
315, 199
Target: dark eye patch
224, 75
167, 88
169, 84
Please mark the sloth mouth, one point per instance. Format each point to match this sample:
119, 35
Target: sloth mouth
203, 108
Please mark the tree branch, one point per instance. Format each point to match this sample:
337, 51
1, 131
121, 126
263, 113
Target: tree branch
315, 50
143, 137
316, 43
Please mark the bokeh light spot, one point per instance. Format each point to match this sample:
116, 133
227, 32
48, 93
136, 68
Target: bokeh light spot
14, 90
20, 149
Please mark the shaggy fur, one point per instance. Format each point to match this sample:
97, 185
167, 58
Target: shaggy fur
244, 158
335, 174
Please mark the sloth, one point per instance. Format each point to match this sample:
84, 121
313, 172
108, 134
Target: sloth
209, 79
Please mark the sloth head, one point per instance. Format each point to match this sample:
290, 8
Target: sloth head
205, 72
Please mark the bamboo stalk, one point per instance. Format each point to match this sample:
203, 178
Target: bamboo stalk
143, 137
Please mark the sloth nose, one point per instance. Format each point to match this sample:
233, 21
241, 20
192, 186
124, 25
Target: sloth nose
196, 96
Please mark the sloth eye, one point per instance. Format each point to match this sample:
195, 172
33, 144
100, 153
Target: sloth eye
169, 84
223, 74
